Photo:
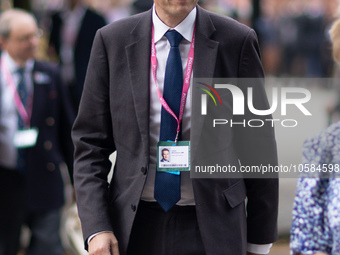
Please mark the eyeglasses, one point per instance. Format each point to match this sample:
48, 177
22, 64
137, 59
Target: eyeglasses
26, 38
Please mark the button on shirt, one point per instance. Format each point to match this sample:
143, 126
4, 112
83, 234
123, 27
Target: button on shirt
8, 110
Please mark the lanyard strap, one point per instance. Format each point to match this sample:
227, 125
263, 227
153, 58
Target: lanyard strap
186, 81
23, 112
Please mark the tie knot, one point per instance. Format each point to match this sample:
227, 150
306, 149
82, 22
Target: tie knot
174, 38
21, 71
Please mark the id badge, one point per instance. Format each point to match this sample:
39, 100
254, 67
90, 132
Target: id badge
25, 138
173, 157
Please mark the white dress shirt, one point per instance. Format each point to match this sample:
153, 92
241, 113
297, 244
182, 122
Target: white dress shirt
8, 110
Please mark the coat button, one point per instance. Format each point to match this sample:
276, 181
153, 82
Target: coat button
50, 167
48, 145
50, 121
133, 207
143, 170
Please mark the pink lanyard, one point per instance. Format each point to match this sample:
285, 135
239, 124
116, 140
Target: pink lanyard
186, 82
24, 114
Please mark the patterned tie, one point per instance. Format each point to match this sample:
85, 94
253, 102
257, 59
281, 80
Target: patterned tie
22, 91
167, 186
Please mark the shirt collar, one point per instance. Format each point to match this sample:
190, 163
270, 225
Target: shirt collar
77, 11
185, 28
12, 66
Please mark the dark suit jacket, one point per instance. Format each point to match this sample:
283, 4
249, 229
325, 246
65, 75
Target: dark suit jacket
90, 23
52, 114
114, 116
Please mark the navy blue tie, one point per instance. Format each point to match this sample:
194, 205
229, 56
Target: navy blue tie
167, 186
22, 91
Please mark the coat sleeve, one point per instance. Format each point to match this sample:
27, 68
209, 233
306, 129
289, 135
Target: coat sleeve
93, 140
257, 147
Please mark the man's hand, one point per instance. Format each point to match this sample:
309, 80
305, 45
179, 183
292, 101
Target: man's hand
104, 244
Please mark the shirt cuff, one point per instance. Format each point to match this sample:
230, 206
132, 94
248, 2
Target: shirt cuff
91, 237
259, 248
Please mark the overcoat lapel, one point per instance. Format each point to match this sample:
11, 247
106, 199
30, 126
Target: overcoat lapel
204, 66
205, 48
138, 56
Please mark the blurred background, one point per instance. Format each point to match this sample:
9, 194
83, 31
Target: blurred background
294, 42
293, 33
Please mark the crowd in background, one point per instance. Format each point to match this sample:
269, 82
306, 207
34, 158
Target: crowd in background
293, 35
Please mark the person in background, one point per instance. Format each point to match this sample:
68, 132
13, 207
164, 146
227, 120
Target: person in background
35, 139
113, 10
71, 36
146, 211
316, 223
